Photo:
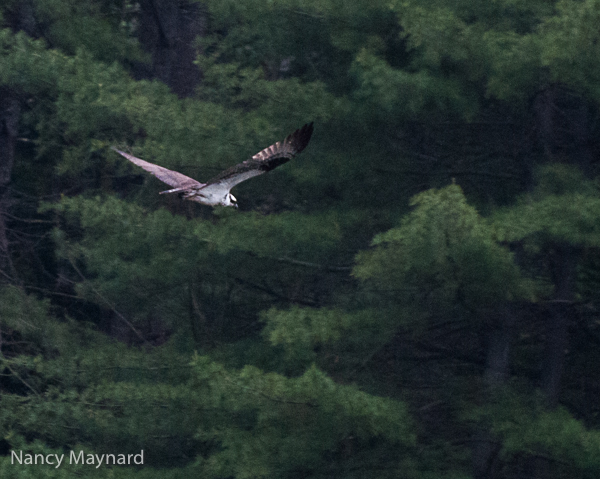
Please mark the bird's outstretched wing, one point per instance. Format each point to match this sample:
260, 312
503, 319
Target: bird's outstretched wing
171, 178
264, 161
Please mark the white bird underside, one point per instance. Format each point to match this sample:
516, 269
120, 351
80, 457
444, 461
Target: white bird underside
217, 190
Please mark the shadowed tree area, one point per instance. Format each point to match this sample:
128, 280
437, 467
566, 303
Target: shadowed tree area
415, 296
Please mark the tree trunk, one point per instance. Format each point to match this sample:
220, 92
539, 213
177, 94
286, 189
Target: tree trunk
486, 448
563, 271
168, 29
9, 123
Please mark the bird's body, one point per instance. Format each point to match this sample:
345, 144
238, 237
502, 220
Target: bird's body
217, 191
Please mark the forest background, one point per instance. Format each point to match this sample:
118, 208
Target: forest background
415, 296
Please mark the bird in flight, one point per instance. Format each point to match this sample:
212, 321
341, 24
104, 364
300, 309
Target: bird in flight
217, 191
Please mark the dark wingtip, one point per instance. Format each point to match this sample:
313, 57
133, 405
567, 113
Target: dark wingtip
302, 136
308, 129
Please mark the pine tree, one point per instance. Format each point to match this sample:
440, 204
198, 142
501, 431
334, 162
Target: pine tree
331, 327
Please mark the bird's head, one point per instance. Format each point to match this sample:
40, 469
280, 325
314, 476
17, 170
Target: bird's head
233, 201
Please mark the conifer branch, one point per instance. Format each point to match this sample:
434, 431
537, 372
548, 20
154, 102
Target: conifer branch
308, 264
5, 362
265, 395
274, 293
109, 304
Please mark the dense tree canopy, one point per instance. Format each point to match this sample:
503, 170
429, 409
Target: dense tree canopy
414, 296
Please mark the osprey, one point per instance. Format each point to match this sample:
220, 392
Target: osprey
216, 191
